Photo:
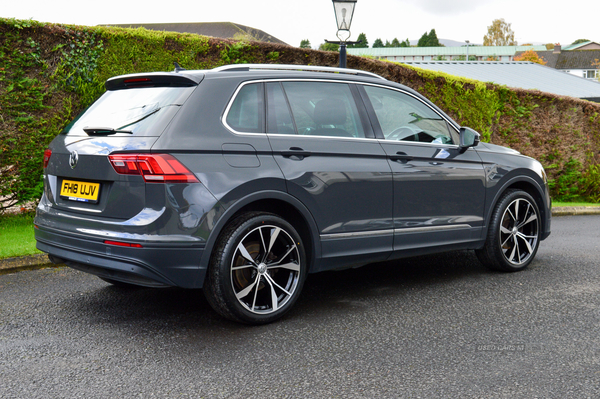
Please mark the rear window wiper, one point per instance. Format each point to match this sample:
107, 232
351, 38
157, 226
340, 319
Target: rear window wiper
107, 131
104, 131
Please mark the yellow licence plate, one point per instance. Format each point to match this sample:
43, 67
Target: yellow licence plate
80, 191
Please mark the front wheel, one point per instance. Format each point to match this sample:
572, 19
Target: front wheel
514, 233
257, 269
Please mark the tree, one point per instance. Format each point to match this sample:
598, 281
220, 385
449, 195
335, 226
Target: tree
499, 34
579, 41
530, 55
378, 43
329, 47
428, 40
405, 43
423, 40
395, 42
305, 43
433, 39
362, 42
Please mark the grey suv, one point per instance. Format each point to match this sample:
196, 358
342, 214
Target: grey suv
243, 179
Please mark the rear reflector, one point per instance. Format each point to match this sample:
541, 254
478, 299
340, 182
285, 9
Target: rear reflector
155, 168
47, 155
122, 244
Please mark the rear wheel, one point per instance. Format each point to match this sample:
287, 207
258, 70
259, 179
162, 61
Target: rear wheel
513, 236
257, 269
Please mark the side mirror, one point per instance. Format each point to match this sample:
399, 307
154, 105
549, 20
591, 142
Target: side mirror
468, 138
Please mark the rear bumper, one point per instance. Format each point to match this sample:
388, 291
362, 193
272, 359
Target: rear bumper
153, 265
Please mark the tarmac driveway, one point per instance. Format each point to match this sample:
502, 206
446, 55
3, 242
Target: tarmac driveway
433, 326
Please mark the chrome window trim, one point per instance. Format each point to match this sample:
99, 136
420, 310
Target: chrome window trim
230, 104
297, 136
417, 143
235, 94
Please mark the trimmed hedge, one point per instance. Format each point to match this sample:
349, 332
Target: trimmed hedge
49, 73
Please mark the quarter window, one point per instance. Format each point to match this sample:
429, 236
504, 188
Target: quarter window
246, 112
405, 118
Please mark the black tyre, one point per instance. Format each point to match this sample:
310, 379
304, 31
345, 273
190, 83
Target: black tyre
513, 236
257, 269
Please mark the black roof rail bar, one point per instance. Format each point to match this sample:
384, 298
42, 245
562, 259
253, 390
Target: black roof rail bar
282, 67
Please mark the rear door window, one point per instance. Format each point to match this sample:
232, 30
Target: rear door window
318, 109
279, 113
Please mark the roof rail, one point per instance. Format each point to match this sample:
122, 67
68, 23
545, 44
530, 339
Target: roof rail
281, 67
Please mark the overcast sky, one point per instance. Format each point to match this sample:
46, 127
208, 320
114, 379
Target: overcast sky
292, 21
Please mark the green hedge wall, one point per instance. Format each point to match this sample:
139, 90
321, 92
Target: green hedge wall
49, 73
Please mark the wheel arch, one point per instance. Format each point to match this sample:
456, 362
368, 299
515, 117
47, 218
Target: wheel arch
276, 202
531, 187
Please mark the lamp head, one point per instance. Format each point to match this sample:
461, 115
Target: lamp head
344, 10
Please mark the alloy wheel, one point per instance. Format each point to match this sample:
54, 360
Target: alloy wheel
265, 269
519, 231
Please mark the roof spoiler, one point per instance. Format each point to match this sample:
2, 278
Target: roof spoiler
154, 79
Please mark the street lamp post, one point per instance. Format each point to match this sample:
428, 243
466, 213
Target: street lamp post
466, 41
344, 10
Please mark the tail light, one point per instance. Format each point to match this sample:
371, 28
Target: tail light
47, 155
155, 168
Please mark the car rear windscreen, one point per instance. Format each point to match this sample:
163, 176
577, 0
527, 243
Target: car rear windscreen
134, 112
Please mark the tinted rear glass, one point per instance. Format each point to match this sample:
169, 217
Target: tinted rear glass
141, 111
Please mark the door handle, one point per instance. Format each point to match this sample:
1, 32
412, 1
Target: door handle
296, 153
402, 157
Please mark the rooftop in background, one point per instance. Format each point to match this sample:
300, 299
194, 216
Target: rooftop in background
227, 30
525, 75
589, 45
571, 59
481, 52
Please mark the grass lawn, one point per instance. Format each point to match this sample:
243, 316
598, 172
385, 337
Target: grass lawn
558, 204
16, 236
16, 232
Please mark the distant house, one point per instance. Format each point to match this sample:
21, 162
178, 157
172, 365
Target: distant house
481, 53
521, 74
227, 30
582, 46
580, 60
